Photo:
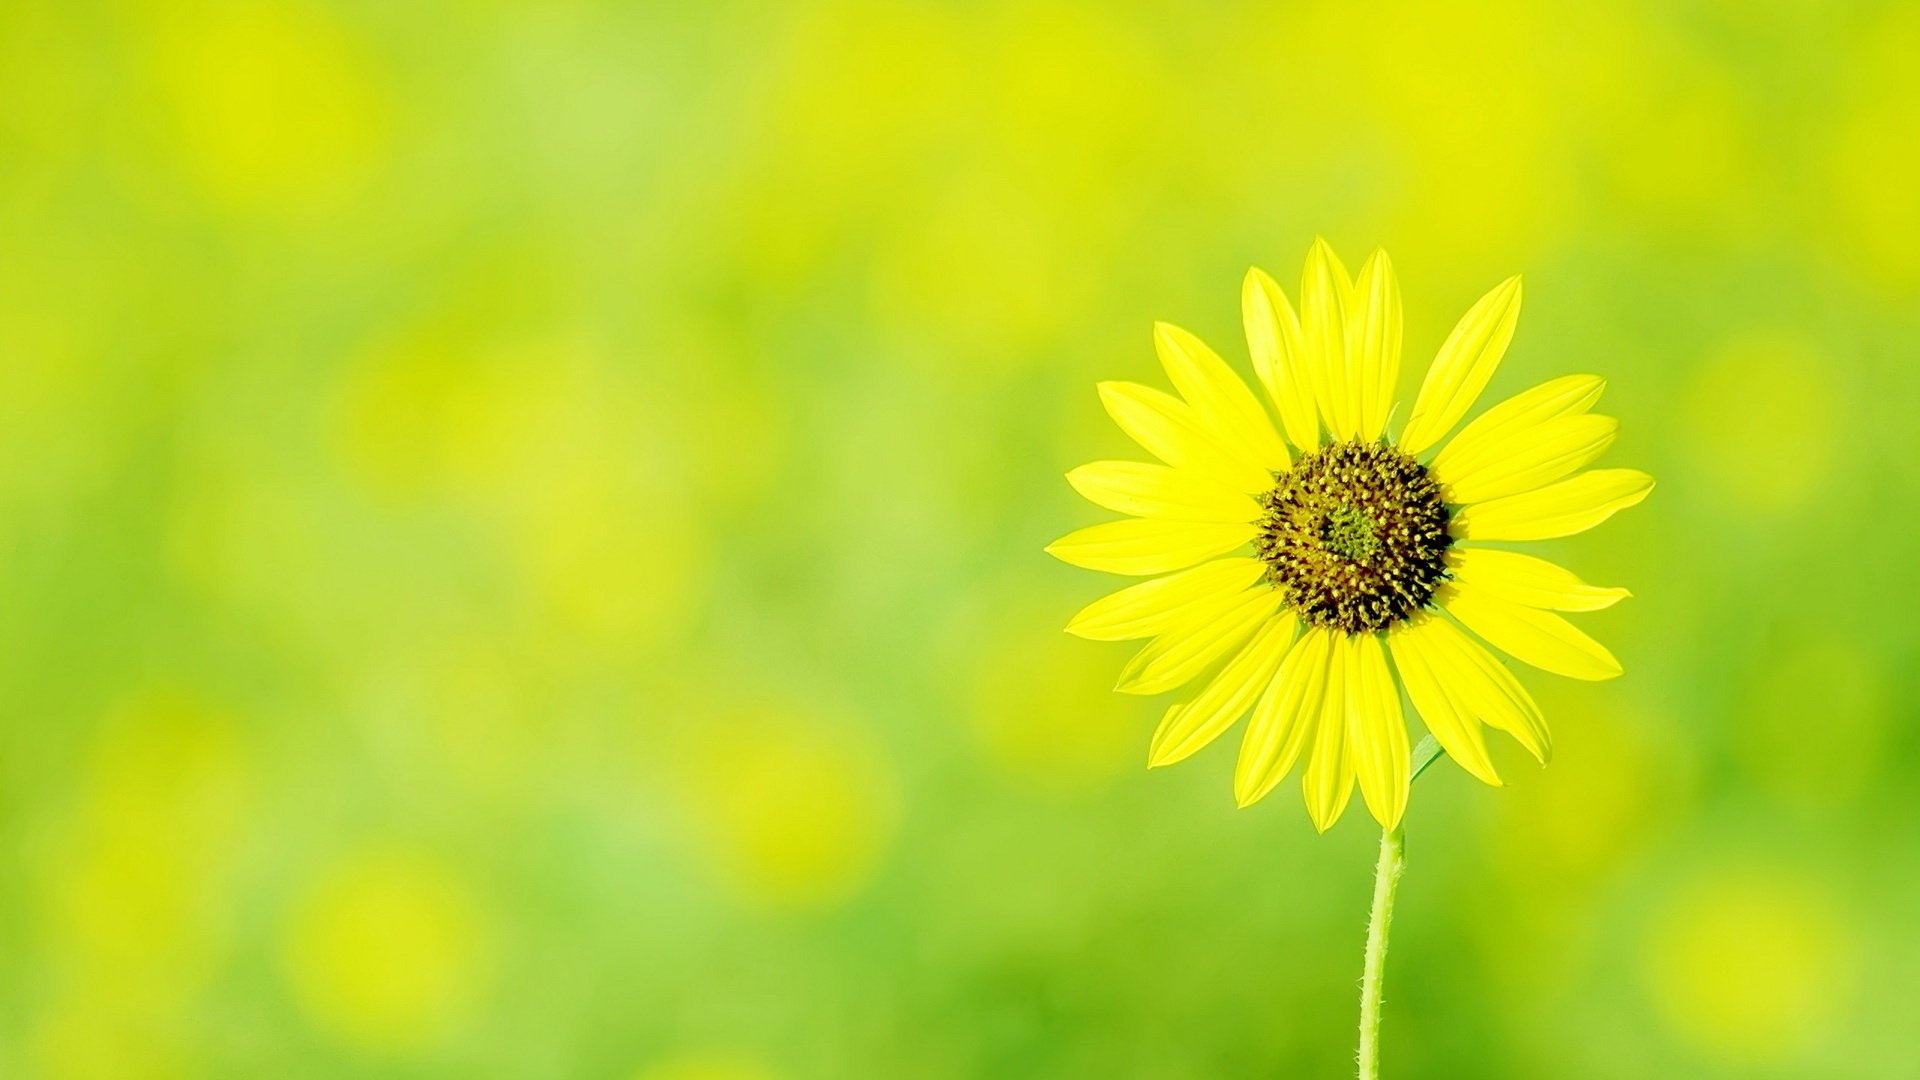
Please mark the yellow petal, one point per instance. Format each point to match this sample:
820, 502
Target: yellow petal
1523, 579
1161, 491
1328, 779
1140, 546
1555, 399
1279, 356
1570, 506
1376, 731
1462, 367
1187, 647
1452, 721
1170, 430
1284, 719
1481, 686
1324, 289
1227, 698
1232, 414
1529, 458
1146, 609
1374, 343
1530, 635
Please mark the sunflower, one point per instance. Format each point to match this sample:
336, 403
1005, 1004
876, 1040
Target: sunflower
1320, 569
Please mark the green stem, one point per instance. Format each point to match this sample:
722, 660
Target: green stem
1386, 882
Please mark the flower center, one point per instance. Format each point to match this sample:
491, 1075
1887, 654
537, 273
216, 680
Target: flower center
1356, 536
1350, 533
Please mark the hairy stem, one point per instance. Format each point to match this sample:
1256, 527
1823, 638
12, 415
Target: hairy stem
1386, 882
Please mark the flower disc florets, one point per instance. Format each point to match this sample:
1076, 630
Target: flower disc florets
1356, 536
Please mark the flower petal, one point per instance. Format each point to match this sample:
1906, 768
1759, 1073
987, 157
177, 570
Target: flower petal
1374, 343
1530, 635
1555, 399
1141, 546
1187, 647
1170, 430
1284, 719
1571, 506
1481, 686
1230, 411
1146, 609
1462, 367
1523, 579
1529, 458
1451, 720
1328, 779
1324, 290
1227, 698
1279, 356
1376, 731
1161, 491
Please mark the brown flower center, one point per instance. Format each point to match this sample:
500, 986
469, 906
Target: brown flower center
1356, 536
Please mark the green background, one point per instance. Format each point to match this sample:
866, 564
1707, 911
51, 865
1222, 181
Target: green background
520, 536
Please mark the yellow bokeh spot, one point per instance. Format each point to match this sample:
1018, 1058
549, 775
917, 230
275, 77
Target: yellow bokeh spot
606, 564
794, 810
1606, 786
541, 438
1450, 155
1814, 726
708, 1067
414, 414
1874, 164
388, 951
1016, 241
138, 887
1764, 420
1683, 153
274, 102
1045, 713
136, 892
979, 245
1753, 966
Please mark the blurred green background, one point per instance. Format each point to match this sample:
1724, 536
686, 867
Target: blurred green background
520, 537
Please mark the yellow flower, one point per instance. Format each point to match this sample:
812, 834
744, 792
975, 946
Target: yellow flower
1361, 547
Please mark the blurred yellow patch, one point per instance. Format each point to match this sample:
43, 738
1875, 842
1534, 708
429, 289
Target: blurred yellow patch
136, 892
274, 102
389, 951
1754, 966
795, 810
430, 406
978, 246
1043, 710
708, 1067
996, 259
540, 437
1592, 806
1466, 155
138, 904
1764, 421
604, 565
55, 441
1814, 726
1875, 167
1874, 162
1680, 152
